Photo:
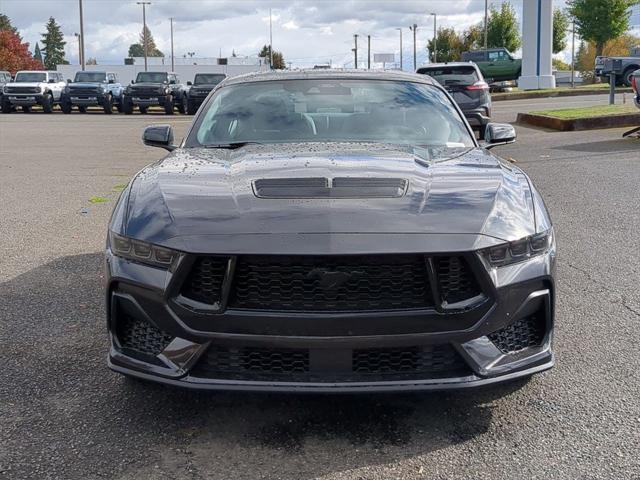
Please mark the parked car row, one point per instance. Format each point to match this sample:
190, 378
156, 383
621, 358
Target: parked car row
102, 89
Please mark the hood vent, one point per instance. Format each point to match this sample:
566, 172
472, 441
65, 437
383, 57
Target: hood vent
341, 187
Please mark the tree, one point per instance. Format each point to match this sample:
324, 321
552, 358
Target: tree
448, 46
53, 45
502, 28
599, 21
560, 27
15, 55
92, 61
472, 38
278, 58
37, 54
5, 24
137, 49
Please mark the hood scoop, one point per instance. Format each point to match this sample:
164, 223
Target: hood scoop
320, 187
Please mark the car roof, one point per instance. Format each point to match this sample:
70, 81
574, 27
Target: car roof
333, 74
448, 64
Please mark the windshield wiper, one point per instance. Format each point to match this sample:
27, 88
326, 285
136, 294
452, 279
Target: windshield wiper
230, 146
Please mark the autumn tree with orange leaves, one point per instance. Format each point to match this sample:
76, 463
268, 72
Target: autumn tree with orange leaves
14, 55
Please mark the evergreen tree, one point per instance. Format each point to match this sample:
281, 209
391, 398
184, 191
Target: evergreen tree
37, 54
560, 27
278, 58
5, 24
53, 45
137, 49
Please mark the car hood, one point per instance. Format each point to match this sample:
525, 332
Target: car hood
147, 85
26, 84
202, 192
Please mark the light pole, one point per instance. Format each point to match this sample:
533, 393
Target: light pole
270, 43
355, 51
435, 34
172, 63
573, 52
145, 40
486, 22
400, 30
81, 37
368, 52
413, 28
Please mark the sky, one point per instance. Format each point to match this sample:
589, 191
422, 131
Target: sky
307, 32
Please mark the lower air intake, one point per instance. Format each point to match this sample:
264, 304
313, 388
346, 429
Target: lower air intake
524, 333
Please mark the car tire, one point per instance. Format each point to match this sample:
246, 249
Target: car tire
127, 105
626, 76
47, 103
66, 106
6, 106
26, 109
168, 105
119, 106
191, 107
182, 106
108, 104
143, 110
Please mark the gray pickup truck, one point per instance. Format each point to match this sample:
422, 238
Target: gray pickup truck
150, 89
629, 65
32, 88
91, 88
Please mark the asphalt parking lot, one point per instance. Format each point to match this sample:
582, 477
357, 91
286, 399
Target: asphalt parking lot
63, 415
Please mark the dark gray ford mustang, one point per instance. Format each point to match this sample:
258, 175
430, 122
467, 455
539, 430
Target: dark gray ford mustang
330, 231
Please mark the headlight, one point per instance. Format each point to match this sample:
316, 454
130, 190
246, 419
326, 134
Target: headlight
519, 250
142, 252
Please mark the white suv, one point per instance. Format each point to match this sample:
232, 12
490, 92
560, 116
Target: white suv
33, 88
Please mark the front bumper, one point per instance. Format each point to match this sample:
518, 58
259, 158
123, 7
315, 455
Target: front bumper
24, 99
464, 348
86, 99
148, 100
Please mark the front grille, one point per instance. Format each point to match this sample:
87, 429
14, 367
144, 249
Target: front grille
331, 283
204, 282
84, 91
141, 336
326, 365
14, 89
457, 282
526, 332
142, 91
432, 360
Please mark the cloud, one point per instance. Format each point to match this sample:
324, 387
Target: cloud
306, 31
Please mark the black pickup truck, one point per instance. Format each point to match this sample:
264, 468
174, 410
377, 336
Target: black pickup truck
202, 84
162, 89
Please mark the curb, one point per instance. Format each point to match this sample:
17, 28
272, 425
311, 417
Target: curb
500, 97
589, 123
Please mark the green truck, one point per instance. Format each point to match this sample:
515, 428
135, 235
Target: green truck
496, 64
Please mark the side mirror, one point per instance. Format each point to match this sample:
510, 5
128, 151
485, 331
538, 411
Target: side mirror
111, 81
189, 83
132, 82
69, 80
159, 136
172, 82
52, 80
499, 134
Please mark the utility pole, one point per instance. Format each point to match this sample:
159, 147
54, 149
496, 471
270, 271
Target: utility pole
270, 43
145, 40
414, 28
435, 36
173, 69
77, 35
368, 52
486, 23
81, 38
355, 51
400, 30
573, 53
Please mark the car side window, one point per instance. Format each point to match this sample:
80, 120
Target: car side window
493, 56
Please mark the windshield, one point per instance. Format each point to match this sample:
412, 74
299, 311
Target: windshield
91, 77
208, 78
462, 75
331, 110
31, 77
151, 77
